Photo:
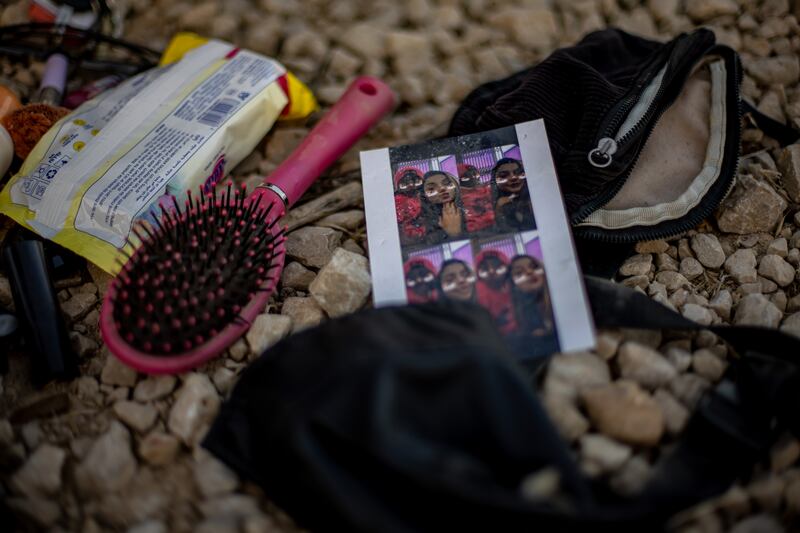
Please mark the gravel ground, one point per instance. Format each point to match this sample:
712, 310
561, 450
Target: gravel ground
116, 450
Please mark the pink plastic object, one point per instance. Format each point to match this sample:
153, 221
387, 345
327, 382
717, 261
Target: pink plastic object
365, 102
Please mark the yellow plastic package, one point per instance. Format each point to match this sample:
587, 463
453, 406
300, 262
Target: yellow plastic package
301, 100
119, 156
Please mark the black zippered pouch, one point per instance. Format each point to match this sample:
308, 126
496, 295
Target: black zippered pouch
645, 135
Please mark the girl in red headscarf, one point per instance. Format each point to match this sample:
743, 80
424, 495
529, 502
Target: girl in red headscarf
476, 199
421, 282
408, 206
494, 288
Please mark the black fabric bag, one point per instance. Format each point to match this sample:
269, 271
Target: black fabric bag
645, 135
418, 419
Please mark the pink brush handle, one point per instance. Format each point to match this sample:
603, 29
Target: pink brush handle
360, 107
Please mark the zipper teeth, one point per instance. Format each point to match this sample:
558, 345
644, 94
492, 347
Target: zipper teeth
619, 117
622, 178
690, 222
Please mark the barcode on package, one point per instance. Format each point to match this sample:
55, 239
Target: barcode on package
217, 112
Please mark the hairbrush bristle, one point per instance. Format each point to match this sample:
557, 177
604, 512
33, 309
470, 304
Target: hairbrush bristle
195, 270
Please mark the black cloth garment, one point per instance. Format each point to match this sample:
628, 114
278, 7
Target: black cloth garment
418, 418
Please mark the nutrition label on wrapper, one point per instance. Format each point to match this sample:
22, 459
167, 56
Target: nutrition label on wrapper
136, 180
75, 134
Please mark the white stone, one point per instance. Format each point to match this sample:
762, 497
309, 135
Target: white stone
194, 409
343, 285
109, 465
266, 331
644, 365
779, 246
137, 416
349, 220
775, 268
791, 324
697, 313
296, 276
708, 250
779, 70
757, 310
224, 379
79, 305
637, 265
158, 448
688, 388
691, 268
680, 358
213, 477
411, 51
600, 454
632, 477
41, 473
706, 364
672, 280
568, 420
569, 374
533, 28
304, 312
115, 372
675, 414
707, 9
313, 246
239, 350
753, 206
154, 388
365, 39
721, 304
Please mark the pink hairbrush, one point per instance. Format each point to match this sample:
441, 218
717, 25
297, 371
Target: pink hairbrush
202, 275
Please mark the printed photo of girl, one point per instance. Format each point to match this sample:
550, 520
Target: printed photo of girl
442, 209
421, 282
494, 288
457, 281
513, 210
445, 271
476, 198
408, 205
531, 298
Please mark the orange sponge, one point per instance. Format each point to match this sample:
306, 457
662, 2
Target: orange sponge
29, 123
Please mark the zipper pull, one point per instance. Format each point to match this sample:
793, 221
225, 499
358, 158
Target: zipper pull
600, 157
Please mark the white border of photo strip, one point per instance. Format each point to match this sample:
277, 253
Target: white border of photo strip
567, 293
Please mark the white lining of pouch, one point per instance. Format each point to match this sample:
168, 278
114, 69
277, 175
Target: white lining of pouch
649, 216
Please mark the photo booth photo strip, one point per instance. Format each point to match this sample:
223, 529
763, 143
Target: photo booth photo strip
412, 236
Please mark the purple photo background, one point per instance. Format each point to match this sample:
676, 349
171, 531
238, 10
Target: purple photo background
519, 244
458, 250
534, 248
484, 160
447, 164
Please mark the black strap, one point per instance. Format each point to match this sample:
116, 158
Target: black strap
734, 424
782, 133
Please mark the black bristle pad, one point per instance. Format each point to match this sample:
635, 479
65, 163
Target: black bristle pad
195, 271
